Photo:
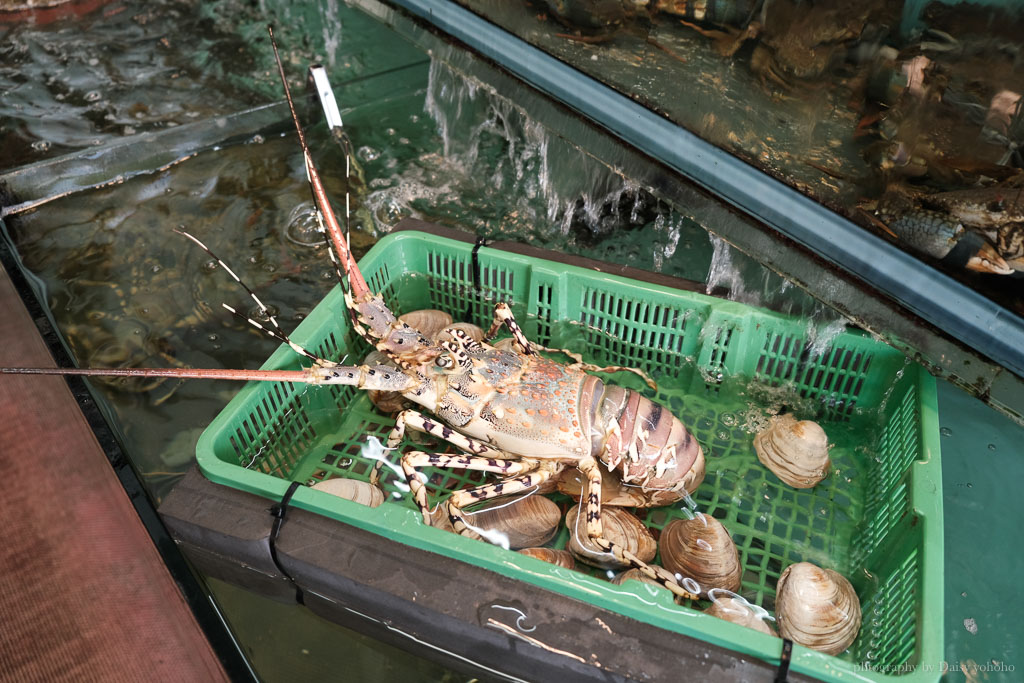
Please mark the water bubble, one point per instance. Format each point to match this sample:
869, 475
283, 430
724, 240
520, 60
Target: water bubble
41, 145
212, 337
256, 139
367, 153
991, 446
210, 266
415, 118
390, 132
344, 462
92, 96
946, 431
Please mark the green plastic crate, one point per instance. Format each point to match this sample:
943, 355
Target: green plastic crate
877, 518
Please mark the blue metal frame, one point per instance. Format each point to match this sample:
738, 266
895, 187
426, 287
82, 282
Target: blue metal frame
949, 305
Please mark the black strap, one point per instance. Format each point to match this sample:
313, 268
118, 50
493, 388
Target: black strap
787, 655
278, 511
480, 241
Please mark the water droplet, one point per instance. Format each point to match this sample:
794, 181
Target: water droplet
211, 337
256, 139
210, 266
92, 96
344, 462
946, 431
728, 419
991, 446
41, 145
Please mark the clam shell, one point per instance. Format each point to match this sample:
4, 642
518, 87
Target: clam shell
429, 321
701, 549
797, 452
562, 558
469, 329
528, 522
817, 608
356, 490
621, 528
738, 611
635, 575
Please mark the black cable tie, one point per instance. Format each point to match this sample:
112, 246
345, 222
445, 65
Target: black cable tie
480, 241
784, 659
278, 512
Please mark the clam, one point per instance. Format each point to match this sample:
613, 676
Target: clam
358, 491
469, 329
528, 521
701, 549
739, 611
562, 558
634, 575
797, 452
621, 528
817, 608
428, 321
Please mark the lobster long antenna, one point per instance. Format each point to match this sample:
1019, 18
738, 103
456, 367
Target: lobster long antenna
179, 373
356, 281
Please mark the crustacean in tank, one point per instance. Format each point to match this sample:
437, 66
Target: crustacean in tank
981, 228
509, 409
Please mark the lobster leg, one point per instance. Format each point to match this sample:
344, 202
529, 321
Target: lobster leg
414, 460
594, 530
505, 487
503, 316
590, 367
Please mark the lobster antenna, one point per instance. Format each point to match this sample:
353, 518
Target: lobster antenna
275, 330
356, 281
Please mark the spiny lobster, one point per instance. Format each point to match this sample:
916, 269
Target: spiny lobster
512, 411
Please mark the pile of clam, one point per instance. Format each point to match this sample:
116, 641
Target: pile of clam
815, 607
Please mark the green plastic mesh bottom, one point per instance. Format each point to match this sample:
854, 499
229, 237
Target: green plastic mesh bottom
720, 366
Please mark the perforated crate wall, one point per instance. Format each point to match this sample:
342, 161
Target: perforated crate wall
876, 518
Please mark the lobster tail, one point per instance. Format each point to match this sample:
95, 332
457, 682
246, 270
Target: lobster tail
649, 446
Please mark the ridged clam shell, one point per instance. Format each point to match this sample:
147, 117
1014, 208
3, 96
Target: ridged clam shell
356, 490
429, 321
797, 452
562, 558
739, 612
817, 608
701, 549
621, 528
528, 522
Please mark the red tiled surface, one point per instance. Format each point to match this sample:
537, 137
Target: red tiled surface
84, 595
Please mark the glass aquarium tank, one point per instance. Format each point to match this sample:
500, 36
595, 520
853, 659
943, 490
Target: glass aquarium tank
130, 123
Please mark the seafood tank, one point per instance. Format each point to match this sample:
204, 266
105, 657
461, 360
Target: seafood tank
109, 151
